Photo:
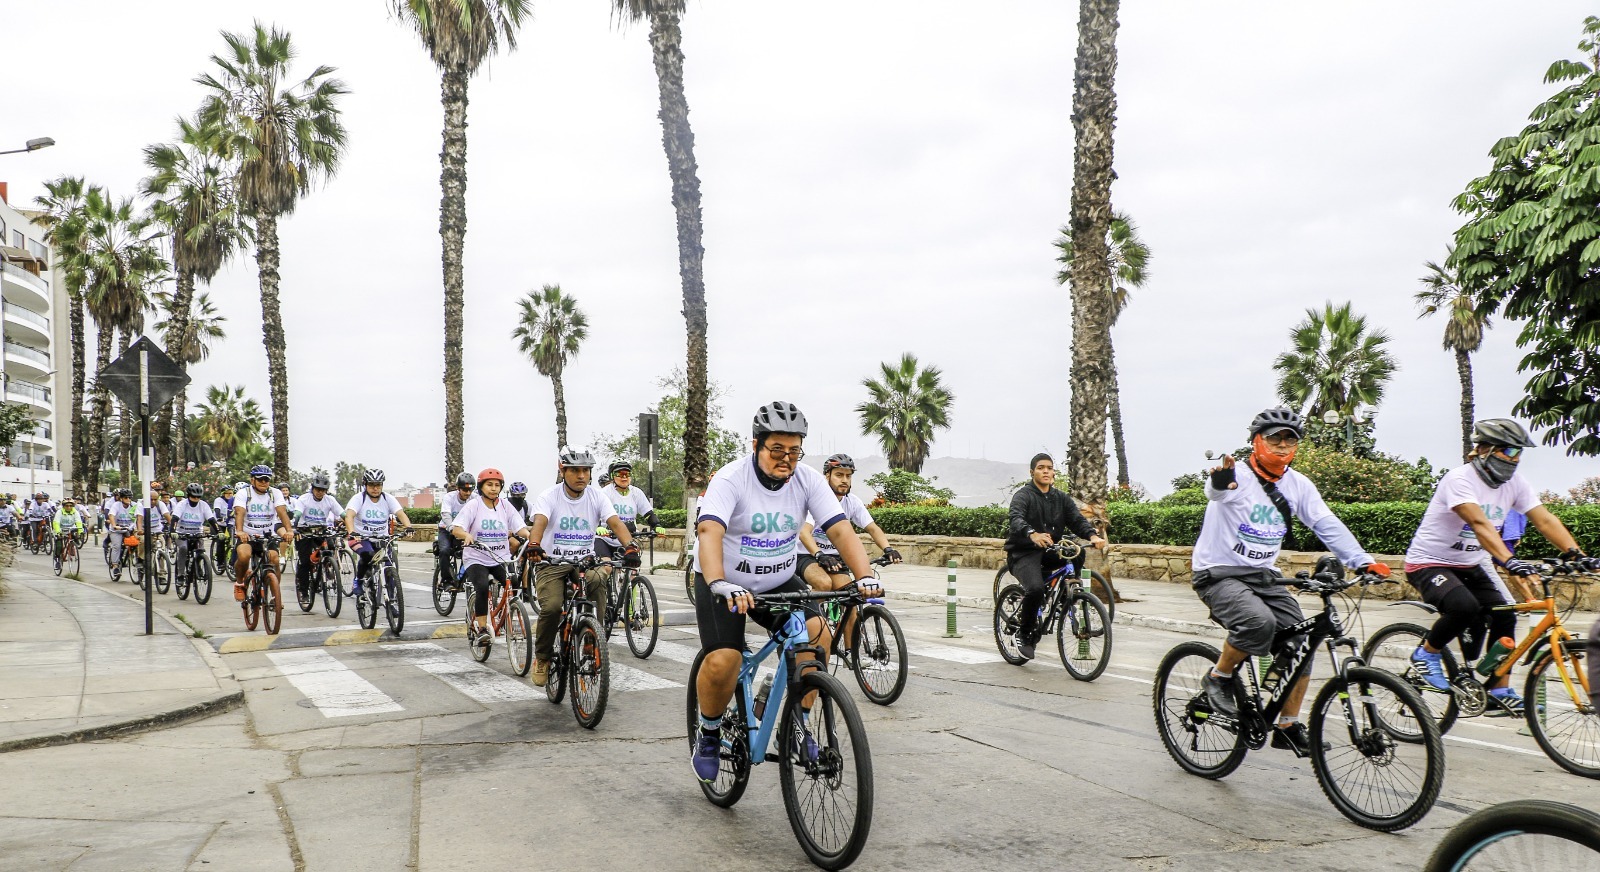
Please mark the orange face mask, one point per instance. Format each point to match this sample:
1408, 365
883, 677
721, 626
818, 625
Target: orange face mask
1271, 466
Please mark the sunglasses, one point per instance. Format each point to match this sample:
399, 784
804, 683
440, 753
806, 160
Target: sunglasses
1512, 453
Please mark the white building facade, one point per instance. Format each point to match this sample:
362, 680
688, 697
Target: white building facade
37, 357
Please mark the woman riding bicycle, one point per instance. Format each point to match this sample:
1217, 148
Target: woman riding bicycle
492, 523
371, 511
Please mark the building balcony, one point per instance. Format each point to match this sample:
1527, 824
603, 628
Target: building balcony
26, 324
27, 361
36, 397
23, 288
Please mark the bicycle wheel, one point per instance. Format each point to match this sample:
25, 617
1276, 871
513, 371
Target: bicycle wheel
878, 654
1527, 834
640, 620
394, 601
825, 770
688, 583
1564, 723
480, 653
444, 591
180, 582
555, 682
1369, 771
734, 774
305, 593
271, 604
1006, 622
366, 602
347, 569
162, 566
591, 672
1088, 650
1183, 716
519, 637
55, 563
1390, 649
332, 587
73, 562
251, 604
203, 575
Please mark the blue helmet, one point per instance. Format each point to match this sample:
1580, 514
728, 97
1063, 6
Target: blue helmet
518, 489
261, 470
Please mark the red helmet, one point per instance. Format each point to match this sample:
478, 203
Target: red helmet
491, 473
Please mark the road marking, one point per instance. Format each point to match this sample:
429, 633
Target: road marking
354, 637
1495, 745
464, 674
626, 678
952, 653
334, 688
247, 643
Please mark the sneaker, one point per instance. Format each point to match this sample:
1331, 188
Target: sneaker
1431, 668
806, 746
1025, 649
1219, 693
541, 672
238, 592
481, 637
705, 757
1505, 702
1295, 738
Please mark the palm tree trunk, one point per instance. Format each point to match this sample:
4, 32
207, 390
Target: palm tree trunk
94, 441
272, 336
178, 327
1114, 405
1094, 104
561, 411
452, 237
666, 43
75, 329
1464, 370
180, 415
124, 420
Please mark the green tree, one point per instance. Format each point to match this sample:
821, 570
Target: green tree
723, 445
281, 137
201, 326
64, 219
1530, 249
677, 138
903, 487
15, 420
347, 480
228, 420
1130, 269
1442, 291
459, 36
550, 328
903, 409
1336, 363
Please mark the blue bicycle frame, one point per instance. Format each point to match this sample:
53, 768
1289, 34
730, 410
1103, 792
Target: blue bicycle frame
793, 634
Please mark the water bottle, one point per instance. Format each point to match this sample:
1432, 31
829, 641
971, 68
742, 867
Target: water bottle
1496, 655
761, 696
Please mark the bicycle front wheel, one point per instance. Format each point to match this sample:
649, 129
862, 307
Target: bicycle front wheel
1528, 834
640, 620
271, 603
878, 654
202, 578
367, 602
1083, 637
163, 571
734, 774
519, 637
394, 601
305, 594
1564, 722
591, 672
1371, 771
825, 771
1183, 714
332, 587
1007, 620
444, 591
72, 562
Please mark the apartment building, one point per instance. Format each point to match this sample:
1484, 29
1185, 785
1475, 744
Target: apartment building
37, 361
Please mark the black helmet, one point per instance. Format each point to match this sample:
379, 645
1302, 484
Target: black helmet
838, 461
618, 466
1501, 433
194, 490
1277, 418
576, 459
319, 481
372, 476
465, 479
778, 417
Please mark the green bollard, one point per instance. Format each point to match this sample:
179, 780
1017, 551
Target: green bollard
950, 603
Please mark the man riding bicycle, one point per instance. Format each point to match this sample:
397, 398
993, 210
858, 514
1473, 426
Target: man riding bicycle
747, 543
565, 519
1040, 514
444, 542
38, 514
316, 509
373, 510
258, 512
631, 504
191, 516
819, 563
159, 518
518, 498
1247, 519
491, 522
120, 523
71, 520
1464, 520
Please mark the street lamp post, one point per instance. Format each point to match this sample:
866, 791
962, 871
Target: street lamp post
32, 145
1360, 416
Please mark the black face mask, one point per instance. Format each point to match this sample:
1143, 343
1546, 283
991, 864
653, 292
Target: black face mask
767, 481
1495, 471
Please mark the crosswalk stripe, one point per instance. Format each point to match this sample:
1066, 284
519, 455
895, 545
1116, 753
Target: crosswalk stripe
464, 674
334, 688
951, 653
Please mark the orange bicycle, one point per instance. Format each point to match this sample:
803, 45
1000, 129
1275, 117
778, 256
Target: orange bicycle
509, 612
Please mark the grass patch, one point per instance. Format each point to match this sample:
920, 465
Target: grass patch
196, 631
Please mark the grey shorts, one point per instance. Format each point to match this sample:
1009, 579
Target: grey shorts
1252, 610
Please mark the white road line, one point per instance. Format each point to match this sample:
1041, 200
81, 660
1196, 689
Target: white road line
625, 678
464, 674
1495, 745
952, 653
334, 688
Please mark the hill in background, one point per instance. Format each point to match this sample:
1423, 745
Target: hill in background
976, 482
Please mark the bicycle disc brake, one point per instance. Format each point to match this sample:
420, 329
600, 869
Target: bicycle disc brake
1471, 698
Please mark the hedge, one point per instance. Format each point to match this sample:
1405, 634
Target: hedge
423, 517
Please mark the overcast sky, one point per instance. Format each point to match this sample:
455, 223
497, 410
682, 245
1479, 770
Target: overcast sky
877, 178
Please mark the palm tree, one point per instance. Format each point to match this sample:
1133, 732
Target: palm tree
1130, 259
666, 44
459, 36
904, 409
65, 222
193, 199
227, 420
1336, 364
1094, 108
549, 331
201, 325
281, 137
1463, 330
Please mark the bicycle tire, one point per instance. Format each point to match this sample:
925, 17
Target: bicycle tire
734, 775
1375, 744
271, 602
519, 637
55, 564
1177, 701
332, 586
394, 601
1006, 622
1389, 649
1551, 727
878, 652
444, 595
827, 776
202, 579
347, 569
1100, 585
163, 569
688, 583
366, 603
251, 605
1495, 834
305, 595
590, 659
555, 681
641, 622
180, 583
74, 563
1084, 617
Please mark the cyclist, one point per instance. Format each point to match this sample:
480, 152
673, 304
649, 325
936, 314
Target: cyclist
8, 515
120, 524
190, 517
492, 523
71, 520
258, 512
748, 534
518, 498
565, 519
631, 504
1445, 561
449, 507
1246, 522
314, 509
1040, 514
39, 512
159, 518
373, 510
223, 507
819, 563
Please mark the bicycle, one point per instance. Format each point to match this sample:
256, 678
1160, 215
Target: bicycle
1080, 621
580, 654
1558, 706
1355, 712
824, 756
161, 562
34, 536
194, 573
876, 653
223, 556
1523, 834
631, 602
67, 561
388, 597
446, 581
1099, 584
305, 593
130, 560
508, 610
325, 575
261, 595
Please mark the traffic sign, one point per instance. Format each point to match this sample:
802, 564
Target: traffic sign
164, 377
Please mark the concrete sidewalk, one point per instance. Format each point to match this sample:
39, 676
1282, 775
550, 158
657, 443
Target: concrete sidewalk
75, 664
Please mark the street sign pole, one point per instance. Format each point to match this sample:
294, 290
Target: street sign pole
648, 424
144, 474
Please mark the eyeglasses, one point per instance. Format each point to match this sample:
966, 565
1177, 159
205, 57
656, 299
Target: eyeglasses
778, 452
1283, 440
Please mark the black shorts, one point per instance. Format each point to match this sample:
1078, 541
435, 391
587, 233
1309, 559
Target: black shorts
605, 550
802, 563
720, 628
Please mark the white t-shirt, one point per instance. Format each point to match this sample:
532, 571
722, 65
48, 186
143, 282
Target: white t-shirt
122, 516
1243, 528
490, 527
763, 526
188, 520
260, 510
854, 509
372, 516
1443, 538
571, 525
318, 513
628, 509
158, 518
449, 507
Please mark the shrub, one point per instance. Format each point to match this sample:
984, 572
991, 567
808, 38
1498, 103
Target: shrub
1344, 478
423, 517
1133, 493
1189, 496
1188, 481
673, 518
987, 522
899, 487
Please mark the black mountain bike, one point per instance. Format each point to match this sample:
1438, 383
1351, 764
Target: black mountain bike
876, 652
386, 597
1526, 834
1080, 621
581, 654
1376, 752
322, 578
1100, 585
631, 602
194, 572
446, 579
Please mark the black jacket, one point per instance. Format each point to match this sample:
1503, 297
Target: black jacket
1051, 512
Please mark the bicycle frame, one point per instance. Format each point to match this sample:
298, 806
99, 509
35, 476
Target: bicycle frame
1322, 629
792, 636
1549, 626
